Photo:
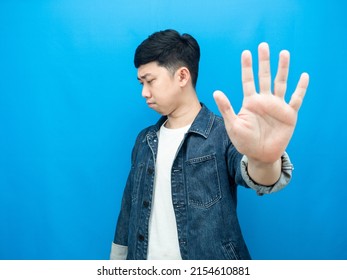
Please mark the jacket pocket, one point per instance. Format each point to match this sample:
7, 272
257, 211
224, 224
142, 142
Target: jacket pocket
202, 179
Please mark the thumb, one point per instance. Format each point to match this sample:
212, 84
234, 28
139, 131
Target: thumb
224, 106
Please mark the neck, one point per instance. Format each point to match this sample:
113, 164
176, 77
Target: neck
184, 115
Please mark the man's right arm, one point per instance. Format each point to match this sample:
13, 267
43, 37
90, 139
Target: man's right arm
118, 252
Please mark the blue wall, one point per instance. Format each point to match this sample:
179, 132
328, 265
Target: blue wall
70, 109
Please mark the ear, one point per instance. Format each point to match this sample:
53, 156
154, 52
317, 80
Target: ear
183, 75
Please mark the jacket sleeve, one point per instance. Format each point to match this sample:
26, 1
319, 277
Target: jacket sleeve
237, 165
122, 227
118, 252
284, 179
120, 242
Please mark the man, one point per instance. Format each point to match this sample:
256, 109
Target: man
181, 194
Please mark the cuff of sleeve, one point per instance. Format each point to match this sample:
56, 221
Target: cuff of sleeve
118, 252
286, 175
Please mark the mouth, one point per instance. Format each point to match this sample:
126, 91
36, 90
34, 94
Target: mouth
150, 104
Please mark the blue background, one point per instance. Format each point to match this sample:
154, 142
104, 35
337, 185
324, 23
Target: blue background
71, 107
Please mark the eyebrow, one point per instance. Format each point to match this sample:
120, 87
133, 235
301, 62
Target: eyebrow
144, 76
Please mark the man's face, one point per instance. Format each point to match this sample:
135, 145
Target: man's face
160, 88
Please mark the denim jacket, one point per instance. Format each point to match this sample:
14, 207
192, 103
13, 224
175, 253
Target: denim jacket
205, 174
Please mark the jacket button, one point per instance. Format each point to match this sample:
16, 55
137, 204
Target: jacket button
145, 204
141, 237
150, 170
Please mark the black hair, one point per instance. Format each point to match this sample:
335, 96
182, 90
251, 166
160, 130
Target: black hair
171, 50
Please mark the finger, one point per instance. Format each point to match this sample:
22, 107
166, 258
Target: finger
224, 106
264, 68
300, 91
247, 74
282, 74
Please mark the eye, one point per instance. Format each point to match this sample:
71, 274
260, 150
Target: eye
150, 81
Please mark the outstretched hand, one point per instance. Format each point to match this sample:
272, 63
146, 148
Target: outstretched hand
265, 124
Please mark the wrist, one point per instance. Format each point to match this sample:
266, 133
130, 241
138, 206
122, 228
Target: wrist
264, 173
255, 163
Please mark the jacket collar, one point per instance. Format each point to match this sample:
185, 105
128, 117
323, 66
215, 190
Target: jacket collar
201, 125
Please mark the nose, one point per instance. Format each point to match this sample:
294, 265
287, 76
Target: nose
145, 92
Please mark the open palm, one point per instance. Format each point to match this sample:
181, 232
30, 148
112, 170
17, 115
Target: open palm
265, 124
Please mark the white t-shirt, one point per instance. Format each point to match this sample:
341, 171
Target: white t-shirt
163, 238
